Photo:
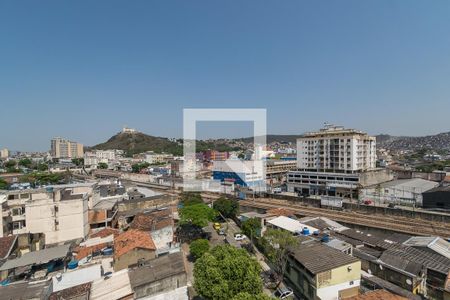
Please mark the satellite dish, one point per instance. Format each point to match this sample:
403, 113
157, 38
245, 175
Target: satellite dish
369, 271
381, 267
408, 281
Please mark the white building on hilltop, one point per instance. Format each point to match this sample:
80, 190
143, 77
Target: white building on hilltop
335, 161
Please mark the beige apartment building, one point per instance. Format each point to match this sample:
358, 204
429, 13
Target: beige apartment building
63, 148
59, 212
4, 153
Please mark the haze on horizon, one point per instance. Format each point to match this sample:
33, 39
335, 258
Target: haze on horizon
83, 69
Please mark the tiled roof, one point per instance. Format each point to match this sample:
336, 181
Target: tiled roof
105, 232
377, 295
77, 292
82, 252
132, 239
280, 212
151, 222
5, 245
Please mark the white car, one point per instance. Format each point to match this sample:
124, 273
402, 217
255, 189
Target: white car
239, 237
283, 293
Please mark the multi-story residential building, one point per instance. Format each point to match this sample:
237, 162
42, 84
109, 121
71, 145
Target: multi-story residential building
210, 155
157, 158
4, 153
59, 212
63, 148
93, 158
335, 161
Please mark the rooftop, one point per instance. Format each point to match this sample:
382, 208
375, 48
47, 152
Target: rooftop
132, 239
78, 292
289, 224
118, 284
157, 269
76, 277
418, 185
37, 257
436, 244
151, 222
23, 290
377, 295
318, 258
6, 245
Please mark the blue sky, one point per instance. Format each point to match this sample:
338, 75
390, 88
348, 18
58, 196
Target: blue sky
83, 69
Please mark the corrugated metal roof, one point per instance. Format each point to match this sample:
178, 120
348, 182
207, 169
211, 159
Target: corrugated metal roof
413, 185
434, 243
116, 287
318, 258
37, 257
290, 224
411, 267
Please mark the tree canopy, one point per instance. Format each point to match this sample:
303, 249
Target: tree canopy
3, 184
227, 207
251, 227
197, 215
225, 272
278, 244
191, 198
248, 296
102, 165
136, 168
199, 247
25, 162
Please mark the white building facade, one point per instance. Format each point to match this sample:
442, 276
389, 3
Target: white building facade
331, 161
60, 213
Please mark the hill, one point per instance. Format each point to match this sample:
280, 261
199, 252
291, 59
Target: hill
137, 142
439, 141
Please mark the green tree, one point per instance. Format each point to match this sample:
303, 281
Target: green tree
252, 227
79, 162
25, 162
248, 296
10, 166
136, 168
199, 247
42, 167
102, 165
227, 207
191, 198
278, 244
197, 215
225, 271
3, 184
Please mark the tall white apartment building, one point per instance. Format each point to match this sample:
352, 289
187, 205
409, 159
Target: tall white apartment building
63, 148
59, 212
335, 161
336, 149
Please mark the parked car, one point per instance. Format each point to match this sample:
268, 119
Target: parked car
283, 293
367, 202
222, 232
216, 226
239, 237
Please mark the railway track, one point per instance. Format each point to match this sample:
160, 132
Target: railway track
398, 224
